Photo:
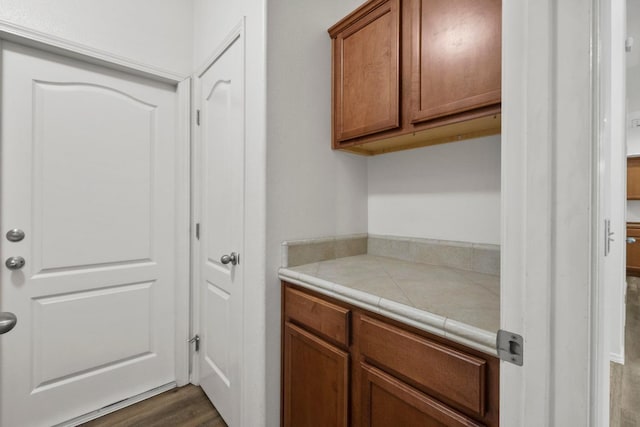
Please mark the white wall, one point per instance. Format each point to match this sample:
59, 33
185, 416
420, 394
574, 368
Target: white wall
151, 32
447, 192
213, 20
312, 190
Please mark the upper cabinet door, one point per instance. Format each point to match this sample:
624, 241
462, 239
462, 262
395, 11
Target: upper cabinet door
366, 71
455, 58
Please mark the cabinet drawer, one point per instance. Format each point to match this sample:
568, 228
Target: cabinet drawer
387, 401
323, 317
446, 373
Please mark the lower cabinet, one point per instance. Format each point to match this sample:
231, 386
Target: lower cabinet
387, 401
633, 249
344, 366
316, 376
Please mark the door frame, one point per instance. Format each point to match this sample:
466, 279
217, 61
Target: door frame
48, 43
551, 244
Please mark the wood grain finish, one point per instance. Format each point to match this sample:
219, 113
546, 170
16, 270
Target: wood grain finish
462, 380
328, 320
633, 178
456, 58
316, 381
633, 249
448, 374
367, 77
186, 407
388, 402
456, 94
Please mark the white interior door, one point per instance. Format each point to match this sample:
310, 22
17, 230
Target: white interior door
87, 172
220, 95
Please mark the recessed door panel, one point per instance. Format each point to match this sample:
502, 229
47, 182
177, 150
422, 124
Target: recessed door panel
93, 329
107, 138
218, 313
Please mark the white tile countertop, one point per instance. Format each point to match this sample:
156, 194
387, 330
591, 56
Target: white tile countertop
460, 305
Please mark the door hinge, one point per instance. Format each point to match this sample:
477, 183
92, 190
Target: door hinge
196, 340
607, 236
198, 117
510, 347
198, 231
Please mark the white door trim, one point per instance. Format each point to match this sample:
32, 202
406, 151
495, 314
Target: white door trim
183, 232
48, 43
196, 173
32, 38
549, 289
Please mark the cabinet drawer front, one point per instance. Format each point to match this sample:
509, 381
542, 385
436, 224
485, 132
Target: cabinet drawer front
387, 401
329, 320
448, 374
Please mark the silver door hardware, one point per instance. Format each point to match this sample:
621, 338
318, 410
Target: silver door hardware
631, 240
198, 117
196, 339
607, 237
15, 235
15, 263
7, 322
198, 231
232, 258
510, 347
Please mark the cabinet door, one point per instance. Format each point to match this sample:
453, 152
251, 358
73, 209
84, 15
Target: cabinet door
456, 56
366, 73
633, 178
388, 402
633, 249
316, 387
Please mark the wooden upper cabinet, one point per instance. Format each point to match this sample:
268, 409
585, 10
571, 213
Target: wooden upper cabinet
411, 73
366, 79
633, 178
456, 64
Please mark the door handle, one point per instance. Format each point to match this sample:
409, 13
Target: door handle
232, 258
7, 322
15, 263
631, 240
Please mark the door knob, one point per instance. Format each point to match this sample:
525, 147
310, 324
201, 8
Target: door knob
232, 258
7, 322
15, 263
631, 240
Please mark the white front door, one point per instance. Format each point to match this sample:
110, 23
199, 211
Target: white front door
87, 172
220, 95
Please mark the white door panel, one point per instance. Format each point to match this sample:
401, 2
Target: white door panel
88, 172
221, 200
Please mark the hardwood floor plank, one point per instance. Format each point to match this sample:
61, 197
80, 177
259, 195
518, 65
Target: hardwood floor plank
185, 407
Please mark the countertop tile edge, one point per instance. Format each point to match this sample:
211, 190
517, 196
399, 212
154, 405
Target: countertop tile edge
326, 288
459, 332
471, 336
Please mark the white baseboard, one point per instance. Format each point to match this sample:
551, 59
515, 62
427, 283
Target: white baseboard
116, 406
617, 358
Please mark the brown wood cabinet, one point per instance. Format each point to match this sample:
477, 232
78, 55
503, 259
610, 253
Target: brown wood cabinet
410, 73
346, 366
633, 178
633, 249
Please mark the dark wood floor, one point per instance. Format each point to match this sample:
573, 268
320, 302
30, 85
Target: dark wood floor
185, 407
625, 379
